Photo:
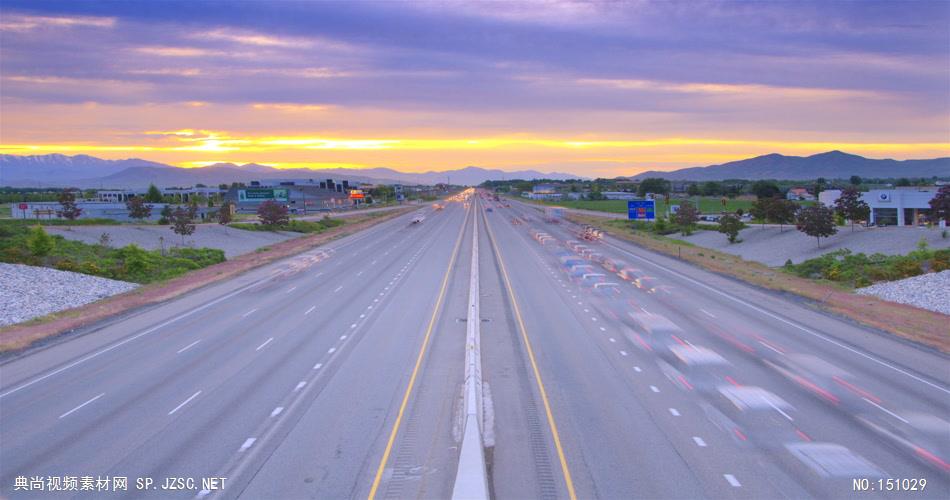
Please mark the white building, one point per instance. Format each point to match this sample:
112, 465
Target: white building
900, 206
620, 195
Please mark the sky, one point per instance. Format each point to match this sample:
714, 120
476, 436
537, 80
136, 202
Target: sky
597, 89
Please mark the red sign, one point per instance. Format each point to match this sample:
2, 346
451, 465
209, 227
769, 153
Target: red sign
23, 206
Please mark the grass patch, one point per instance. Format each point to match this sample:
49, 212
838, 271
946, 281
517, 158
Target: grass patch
860, 270
30, 245
296, 226
707, 205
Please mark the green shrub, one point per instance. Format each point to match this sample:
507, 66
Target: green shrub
39, 242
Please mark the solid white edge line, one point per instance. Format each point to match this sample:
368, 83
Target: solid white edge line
80, 406
189, 346
268, 341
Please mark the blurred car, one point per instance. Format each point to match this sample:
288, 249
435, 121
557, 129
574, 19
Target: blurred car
489, 209
650, 284
612, 265
923, 436
753, 416
607, 290
652, 331
573, 244
588, 280
596, 257
569, 261
631, 273
833, 461
828, 382
576, 271
695, 368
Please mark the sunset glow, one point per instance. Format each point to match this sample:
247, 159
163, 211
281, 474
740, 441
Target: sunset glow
291, 89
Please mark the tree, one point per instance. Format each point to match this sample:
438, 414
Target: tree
225, 215
182, 223
166, 215
850, 205
712, 188
273, 214
855, 180
730, 225
693, 190
762, 209
817, 221
67, 200
940, 204
765, 189
39, 242
686, 217
655, 185
153, 195
903, 182
138, 209
783, 212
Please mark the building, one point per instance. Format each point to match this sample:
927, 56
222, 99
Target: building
300, 195
620, 195
799, 194
900, 206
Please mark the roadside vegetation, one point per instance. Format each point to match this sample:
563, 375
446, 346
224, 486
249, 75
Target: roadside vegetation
273, 216
859, 270
30, 244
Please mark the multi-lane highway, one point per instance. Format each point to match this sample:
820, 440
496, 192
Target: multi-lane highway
339, 373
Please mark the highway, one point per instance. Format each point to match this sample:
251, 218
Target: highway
339, 373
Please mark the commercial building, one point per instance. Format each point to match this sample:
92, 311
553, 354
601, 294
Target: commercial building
620, 195
799, 194
300, 195
45, 210
900, 206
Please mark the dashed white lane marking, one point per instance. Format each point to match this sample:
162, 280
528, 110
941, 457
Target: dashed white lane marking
331, 350
885, 410
300, 385
193, 396
613, 339
353, 325
593, 318
637, 369
317, 366
380, 294
338, 289
317, 275
371, 263
587, 310
674, 412
362, 315
310, 310
248, 313
277, 411
268, 341
579, 302
376, 300
203, 493
247, 444
699, 441
189, 346
623, 353
707, 313
732, 480
342, 337
291, 289
80, 406
603, 329
359, 273
654, 388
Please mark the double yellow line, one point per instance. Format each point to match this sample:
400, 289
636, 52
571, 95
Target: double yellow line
419, 358
569, 483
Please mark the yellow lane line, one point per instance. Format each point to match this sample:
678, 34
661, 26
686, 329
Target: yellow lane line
415, 369
534, 366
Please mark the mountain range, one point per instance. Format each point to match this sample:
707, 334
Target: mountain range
830, 165
56, 170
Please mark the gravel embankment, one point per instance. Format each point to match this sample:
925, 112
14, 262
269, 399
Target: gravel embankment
773, 247
30, 292
233, 241
927, 291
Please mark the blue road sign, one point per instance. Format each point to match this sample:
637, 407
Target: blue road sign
641, 210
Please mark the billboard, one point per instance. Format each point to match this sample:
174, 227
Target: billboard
641, 210
357, 194
262, 194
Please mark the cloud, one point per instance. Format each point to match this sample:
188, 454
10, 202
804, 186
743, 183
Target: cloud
24, 22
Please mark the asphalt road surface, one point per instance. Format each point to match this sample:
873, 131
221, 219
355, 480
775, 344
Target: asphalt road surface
339, 373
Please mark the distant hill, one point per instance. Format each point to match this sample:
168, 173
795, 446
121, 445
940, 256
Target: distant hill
833, 164
84, 171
